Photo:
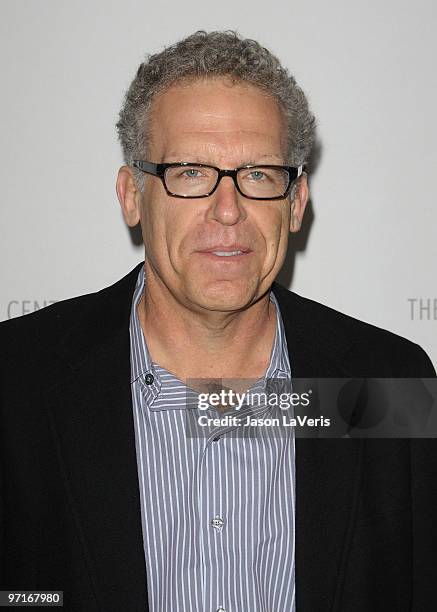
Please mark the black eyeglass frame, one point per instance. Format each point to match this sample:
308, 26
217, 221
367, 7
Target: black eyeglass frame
159, 170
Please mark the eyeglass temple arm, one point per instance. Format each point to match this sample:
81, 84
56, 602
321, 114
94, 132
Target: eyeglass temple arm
146, 166
300, 169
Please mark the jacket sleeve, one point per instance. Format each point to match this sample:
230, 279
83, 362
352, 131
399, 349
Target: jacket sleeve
2, 350
424, 508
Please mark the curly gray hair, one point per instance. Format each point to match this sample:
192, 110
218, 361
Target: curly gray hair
213, 54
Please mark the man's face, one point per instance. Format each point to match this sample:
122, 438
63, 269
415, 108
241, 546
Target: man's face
223, 125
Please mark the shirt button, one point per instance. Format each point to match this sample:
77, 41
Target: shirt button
217, 522
149, 378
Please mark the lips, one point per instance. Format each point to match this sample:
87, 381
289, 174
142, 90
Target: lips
221, 250
226, 253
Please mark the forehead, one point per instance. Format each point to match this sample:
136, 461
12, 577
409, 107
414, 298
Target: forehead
217, 116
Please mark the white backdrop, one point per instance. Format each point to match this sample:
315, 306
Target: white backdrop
368, 246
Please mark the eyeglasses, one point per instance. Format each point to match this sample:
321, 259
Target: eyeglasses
191, 180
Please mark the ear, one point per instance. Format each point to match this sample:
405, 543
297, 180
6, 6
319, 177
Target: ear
299, 202
128, 195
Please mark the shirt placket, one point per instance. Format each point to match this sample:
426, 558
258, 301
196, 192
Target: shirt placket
213, 515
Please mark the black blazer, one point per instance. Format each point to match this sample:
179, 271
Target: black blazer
70, 507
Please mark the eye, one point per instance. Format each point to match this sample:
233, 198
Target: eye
256, 175
191, 173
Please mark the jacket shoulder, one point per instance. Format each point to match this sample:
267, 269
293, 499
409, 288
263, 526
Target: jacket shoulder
47, 321
65, 313
364, 346
30, 341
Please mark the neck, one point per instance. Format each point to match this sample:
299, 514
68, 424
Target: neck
209, 344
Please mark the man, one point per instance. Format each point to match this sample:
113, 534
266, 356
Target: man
104, 495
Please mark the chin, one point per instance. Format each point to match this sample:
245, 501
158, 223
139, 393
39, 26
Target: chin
227, 295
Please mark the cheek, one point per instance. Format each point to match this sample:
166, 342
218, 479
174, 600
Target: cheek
166, 227
273, 223
154, 214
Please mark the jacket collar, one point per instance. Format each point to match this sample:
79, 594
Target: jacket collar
317, 349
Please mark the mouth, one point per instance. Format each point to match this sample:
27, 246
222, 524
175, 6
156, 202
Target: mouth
226, 252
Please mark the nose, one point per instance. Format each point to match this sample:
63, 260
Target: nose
226, 206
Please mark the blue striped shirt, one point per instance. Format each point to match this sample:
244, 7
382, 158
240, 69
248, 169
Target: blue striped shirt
217, 511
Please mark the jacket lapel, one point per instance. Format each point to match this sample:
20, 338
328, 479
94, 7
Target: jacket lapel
327, 470
90, 411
